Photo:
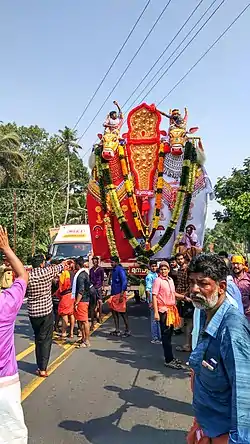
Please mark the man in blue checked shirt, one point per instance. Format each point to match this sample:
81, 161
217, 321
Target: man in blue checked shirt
221, 360
155, 325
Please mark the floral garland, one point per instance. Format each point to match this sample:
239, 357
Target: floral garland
184, 181
110, 236
159, 188
131, 194
188, 199
104, 204
190, 189
110, 189
129, 189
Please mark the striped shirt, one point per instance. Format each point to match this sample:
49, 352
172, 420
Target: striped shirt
39, 290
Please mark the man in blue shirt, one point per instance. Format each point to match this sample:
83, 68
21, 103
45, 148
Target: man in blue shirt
221, 360
118, 299
155, 325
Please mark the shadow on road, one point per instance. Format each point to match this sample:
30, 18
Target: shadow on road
27, 367
106, 429
143, 398
136, 350
23, 329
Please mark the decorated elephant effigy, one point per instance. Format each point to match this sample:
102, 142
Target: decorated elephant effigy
147, 186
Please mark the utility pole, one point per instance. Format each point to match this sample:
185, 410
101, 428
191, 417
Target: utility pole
33, 248
14, 220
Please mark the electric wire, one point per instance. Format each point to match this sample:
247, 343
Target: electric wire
205, 53
177, 57
199, 60
112, 64
126, 69
163, 52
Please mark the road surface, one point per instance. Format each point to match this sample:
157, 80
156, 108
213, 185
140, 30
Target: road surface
116, 392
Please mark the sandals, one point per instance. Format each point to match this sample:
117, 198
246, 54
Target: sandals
185, 348
81, 345
175, 364
115, 333
126, 334
42, 375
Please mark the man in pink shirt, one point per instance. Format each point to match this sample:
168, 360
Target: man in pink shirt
12, 426
165, 311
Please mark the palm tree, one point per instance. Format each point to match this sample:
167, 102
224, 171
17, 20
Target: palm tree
68, 143
11, 159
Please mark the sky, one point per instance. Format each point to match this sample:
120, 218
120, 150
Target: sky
54, 53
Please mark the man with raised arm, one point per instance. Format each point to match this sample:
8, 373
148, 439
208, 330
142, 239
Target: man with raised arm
12, 426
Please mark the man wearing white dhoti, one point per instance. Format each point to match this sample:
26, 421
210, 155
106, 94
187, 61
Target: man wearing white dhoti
12, 426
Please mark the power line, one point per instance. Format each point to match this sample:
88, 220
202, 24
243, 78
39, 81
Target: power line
112, 64
201, 58
177, 57
126, 69
205, 53
162, 54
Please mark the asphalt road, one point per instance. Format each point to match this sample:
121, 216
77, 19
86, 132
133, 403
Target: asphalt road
118, 391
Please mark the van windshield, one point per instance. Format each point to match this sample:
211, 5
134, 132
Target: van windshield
70, 250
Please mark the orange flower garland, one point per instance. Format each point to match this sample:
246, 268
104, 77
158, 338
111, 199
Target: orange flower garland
132, 198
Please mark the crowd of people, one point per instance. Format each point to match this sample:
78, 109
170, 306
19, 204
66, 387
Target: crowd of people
206, 297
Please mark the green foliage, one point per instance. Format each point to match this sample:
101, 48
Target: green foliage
223, 237
234, 194
41, 178
11, 158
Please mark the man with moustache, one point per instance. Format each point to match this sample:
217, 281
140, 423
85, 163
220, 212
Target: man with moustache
221, 360
242, 280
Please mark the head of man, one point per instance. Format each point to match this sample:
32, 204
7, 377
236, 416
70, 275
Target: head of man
113, 115
208, 281
95, 261
70, 265
114, 261
38, 261
79, 263
153, 266
238, 264
190, 229
164, 269
223, 254
180, 259
172, 263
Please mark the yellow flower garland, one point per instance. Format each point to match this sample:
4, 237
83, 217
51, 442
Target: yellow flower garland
129, 189
184, 183
131, 194
110, 236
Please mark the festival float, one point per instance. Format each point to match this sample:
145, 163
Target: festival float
147, 185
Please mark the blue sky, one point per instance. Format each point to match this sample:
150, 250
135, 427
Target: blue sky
55, 52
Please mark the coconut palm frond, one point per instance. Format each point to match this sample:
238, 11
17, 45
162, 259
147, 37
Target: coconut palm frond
10, 157
14, 156
11, 139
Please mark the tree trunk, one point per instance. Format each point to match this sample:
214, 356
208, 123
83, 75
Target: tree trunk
68, 185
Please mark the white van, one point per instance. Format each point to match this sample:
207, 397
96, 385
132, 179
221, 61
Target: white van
71, 241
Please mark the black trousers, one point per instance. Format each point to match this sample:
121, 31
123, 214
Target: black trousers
166, 337
43, 329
